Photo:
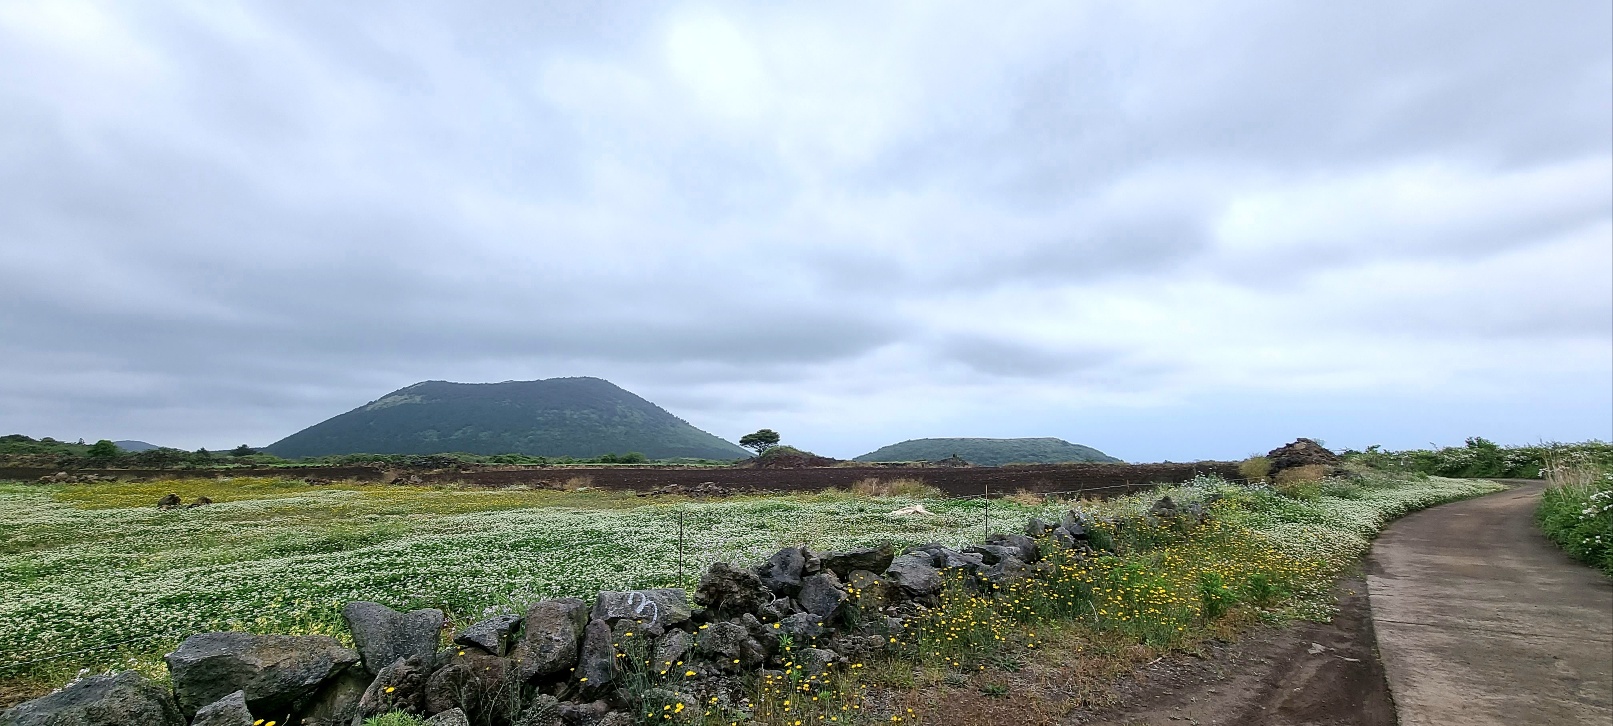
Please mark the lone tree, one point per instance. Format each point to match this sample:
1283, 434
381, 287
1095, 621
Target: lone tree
760, 441
242, 450
102, 452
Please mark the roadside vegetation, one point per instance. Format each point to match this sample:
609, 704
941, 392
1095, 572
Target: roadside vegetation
1480, 457
102, 580
1576, 510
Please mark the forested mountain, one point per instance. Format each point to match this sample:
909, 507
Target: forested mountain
990, 452
580, 417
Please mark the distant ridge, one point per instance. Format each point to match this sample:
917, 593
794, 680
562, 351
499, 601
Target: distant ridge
135, 446
990, 452
579, 417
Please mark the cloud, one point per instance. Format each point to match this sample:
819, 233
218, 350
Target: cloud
855, 223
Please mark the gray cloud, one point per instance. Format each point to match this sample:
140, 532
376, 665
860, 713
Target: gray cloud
228, 222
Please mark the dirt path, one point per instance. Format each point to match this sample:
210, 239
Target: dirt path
1480, 620
1310, 674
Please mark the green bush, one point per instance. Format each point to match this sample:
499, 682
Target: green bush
1482, 458
1578, 516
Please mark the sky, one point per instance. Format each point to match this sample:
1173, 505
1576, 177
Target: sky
1168, 230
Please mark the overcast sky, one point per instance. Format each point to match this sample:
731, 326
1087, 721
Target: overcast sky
1167, 230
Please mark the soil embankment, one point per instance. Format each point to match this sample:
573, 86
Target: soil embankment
1483, 622
1099, 480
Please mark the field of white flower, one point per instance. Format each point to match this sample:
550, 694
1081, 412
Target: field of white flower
97, 568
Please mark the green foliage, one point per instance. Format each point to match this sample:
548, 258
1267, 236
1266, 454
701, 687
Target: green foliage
1479, 458
242, 450
760, 441
990, 452
1255, 468
559, 417
395, 718
102, 452
1578, 516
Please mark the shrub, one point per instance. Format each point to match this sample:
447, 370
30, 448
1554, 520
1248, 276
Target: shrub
1255, 468
1301, 482
1576, 512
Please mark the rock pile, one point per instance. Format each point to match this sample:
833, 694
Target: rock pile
62, 477
703, 489
1303, 452
570, 662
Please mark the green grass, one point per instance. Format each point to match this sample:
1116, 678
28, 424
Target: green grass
1576, 512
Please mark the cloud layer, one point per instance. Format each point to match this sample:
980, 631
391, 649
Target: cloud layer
1167, 230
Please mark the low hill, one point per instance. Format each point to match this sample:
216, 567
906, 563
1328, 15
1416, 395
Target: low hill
990, 452
135, 446
579, 417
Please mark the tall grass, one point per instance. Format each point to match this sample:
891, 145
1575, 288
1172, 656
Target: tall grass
1576, 510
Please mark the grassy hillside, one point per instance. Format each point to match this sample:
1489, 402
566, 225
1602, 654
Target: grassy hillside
579, 417
990, 452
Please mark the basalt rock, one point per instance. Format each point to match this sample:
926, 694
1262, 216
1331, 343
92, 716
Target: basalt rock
1302, 452
337, 701
228, 711
822, 595
400, 686
491, 635
596, 665
915, 575
551, 634
1029, 551
665, 606
727, 590
383, 635
126, 698
275, 671
782, 572
873, 559
451, 717
169, 501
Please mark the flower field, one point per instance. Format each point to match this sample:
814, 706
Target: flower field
96, 577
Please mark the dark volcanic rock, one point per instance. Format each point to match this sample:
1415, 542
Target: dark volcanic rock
400, 686
336, 702
126, 698
1303, 452
782, 572
873, 559
550, 637
666, 606
491, 635
822, 595
228, 711
383, 635
727, 590
1029, 551
169, 501
915, 574
596, 666
451, 717
274, 670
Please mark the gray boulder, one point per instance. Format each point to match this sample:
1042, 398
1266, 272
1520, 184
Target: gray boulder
478, 683
871, 590
451, 717
822, 595
670, 650
383, 635
596, 666
1029, 551
802, 627
1075, 523
992, 554
1006, 570
727, 590
915, 575
729, 645
873, 559
491, 635
400, 686
815, 660
666, 607
550, 637
276, 671
337, 702
228, 711
1037, 528
543, 711
782, 572
126, 698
